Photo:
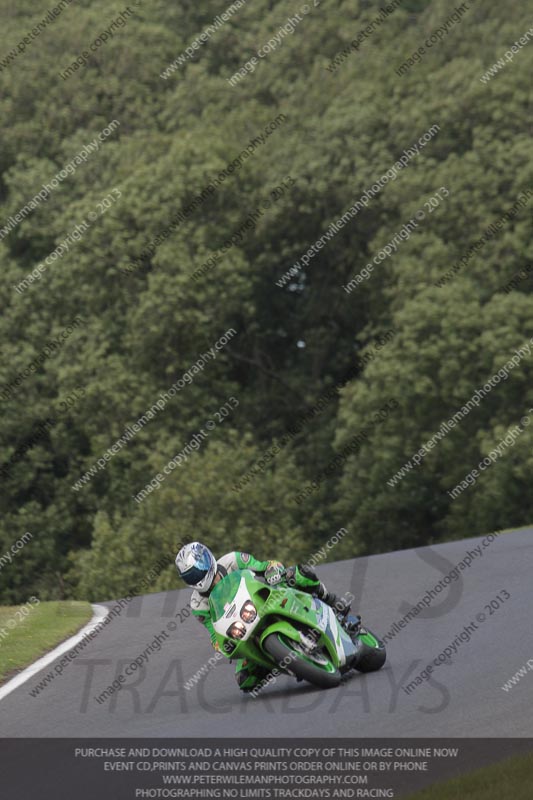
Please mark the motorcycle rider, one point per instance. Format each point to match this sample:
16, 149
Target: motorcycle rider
199, 568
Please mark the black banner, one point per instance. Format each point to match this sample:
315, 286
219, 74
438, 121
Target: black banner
126, 769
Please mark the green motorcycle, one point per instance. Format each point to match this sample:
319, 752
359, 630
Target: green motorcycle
283, 628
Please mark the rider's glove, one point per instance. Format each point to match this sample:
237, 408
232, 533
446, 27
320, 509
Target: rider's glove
275, 573
216, 646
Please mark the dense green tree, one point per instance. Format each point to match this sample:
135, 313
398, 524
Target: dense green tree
146, 320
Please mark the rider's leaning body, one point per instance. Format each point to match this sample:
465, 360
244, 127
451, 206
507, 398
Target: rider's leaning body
199, 568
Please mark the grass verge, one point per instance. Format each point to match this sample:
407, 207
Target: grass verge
510, 778
24, 639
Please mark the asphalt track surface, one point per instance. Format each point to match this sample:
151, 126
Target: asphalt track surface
462, 698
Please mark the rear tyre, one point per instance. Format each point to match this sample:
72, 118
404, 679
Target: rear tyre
288, 656
372, 655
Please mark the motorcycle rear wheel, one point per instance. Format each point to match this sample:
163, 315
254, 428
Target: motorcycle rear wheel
373, 654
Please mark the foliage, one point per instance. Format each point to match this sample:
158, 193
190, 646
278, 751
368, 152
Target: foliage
143, 330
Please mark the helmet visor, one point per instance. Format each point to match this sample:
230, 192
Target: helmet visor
194, 575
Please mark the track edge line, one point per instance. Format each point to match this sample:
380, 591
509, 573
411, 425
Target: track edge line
99, 613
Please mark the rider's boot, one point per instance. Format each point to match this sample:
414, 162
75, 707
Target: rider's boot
350, 622
338, 604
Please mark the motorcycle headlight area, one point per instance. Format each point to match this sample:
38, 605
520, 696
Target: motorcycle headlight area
248, 612
236, 631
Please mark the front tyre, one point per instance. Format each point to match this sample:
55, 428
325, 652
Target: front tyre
290, 656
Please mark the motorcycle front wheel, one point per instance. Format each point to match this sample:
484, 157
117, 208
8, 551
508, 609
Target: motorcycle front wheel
291, 657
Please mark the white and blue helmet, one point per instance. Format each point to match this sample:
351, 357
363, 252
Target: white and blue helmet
197, 566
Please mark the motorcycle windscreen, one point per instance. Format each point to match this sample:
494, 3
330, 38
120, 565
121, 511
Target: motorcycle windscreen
225, 590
